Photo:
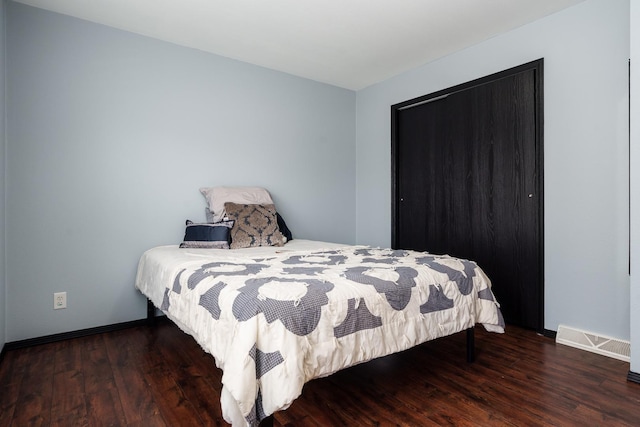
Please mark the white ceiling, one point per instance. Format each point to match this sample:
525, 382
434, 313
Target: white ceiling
347, 43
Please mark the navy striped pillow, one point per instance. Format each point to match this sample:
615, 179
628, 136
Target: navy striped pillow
208, 236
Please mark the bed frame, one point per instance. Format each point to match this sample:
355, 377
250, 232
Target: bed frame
268, 422
471, 341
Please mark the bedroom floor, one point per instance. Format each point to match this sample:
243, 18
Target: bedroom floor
159, 376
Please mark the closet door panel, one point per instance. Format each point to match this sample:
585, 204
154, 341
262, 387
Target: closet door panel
466, 176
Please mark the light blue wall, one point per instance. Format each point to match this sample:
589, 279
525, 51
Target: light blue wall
3, 287
585, 50
111, 134
635, 186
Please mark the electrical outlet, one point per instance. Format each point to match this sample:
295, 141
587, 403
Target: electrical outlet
59, 300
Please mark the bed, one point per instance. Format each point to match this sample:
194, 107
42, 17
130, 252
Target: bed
277, 316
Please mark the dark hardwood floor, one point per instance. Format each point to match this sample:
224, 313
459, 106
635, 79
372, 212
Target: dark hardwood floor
159, 376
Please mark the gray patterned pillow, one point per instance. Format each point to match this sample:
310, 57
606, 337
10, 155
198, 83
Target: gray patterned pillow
255, 225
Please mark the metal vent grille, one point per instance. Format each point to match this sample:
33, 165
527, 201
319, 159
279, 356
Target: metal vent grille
606, 346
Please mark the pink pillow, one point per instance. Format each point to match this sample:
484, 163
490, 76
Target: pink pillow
217, 196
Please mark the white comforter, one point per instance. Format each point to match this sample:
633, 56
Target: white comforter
275, 318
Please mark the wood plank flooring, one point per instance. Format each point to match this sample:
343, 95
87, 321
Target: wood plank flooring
158, 376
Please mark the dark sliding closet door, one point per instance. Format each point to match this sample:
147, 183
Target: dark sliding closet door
467, 182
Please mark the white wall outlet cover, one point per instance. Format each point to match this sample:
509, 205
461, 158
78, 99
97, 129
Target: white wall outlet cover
59, 300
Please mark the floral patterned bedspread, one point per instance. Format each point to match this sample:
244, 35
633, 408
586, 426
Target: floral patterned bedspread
279, 319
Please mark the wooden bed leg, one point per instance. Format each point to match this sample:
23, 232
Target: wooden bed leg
267, 422
471, 344
151, 313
